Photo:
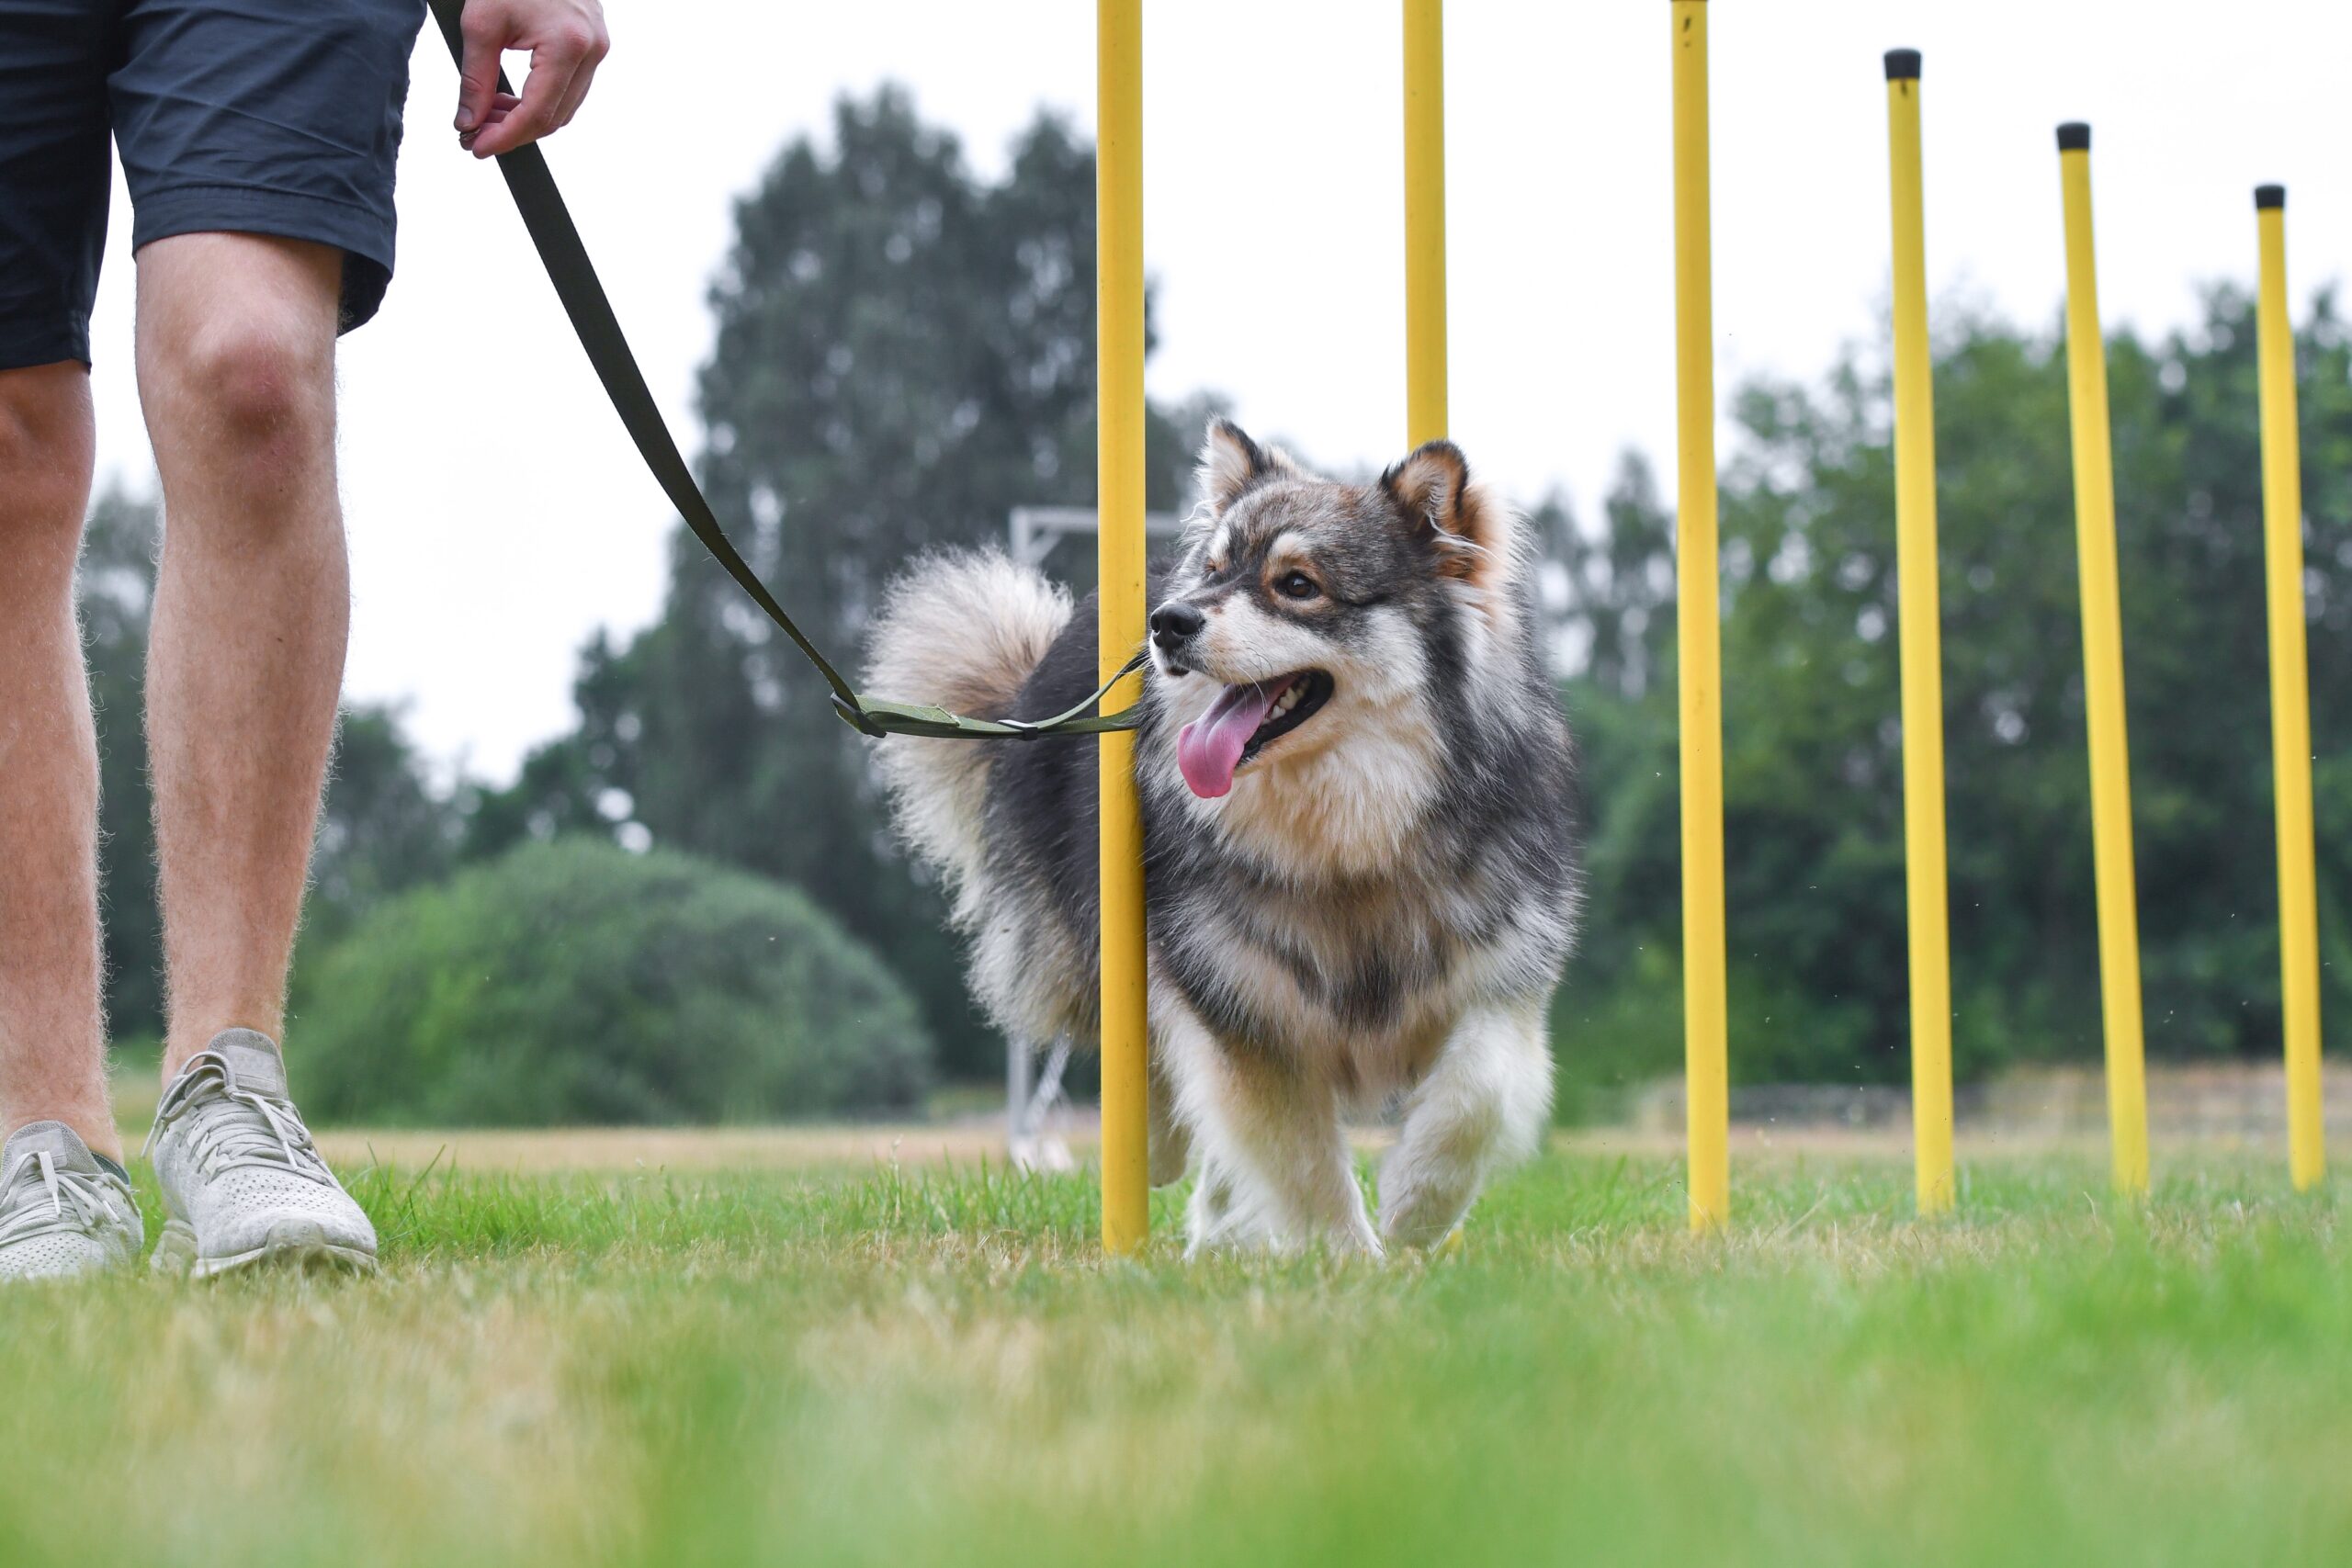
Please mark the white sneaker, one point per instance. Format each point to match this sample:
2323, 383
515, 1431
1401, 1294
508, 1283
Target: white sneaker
62, 1210
242, 1184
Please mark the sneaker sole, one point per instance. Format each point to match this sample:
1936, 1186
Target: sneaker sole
299, 1244
117, 1263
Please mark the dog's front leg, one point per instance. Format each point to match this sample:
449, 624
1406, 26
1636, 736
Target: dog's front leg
1278, 1164
1170, 1142
1275, 1167
1483, 1105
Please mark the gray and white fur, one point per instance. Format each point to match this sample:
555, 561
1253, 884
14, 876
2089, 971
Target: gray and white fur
1375, 910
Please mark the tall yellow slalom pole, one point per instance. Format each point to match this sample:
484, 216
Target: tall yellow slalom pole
1700, 639
2290, 702
1923, 686
2119, 920
1424, 220
1119, 348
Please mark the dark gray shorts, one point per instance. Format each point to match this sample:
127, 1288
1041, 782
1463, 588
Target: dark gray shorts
257, 117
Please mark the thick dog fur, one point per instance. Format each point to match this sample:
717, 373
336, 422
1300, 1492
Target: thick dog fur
1374, 914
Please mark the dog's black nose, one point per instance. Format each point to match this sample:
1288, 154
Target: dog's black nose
1175, 624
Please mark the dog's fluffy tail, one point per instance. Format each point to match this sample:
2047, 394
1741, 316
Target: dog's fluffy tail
961, 630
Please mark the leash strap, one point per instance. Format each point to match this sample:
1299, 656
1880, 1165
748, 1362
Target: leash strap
565, 257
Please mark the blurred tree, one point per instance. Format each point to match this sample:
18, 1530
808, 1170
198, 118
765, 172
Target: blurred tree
1618, 584
383, 827
905, 352
575, 982
117, 588
1617, 1017
1813, 761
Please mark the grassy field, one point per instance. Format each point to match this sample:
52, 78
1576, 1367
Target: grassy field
866, 1364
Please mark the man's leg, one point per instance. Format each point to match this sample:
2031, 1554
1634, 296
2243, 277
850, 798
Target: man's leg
236, 371
52, 1034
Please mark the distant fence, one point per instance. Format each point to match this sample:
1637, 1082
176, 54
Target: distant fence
2232, 1101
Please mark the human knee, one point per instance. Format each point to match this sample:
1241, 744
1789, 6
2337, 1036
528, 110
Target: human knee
247, 385
45, 453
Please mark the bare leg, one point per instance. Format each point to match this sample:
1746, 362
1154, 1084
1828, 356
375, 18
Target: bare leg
236, 371
52, 1036
1482, 1107
1274, 1164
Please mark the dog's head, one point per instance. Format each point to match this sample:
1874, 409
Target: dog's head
1308, 619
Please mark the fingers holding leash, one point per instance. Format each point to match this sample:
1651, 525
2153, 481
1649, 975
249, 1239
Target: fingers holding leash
565, 38
501, 105
478, 73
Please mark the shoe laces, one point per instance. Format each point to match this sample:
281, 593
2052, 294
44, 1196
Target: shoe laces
250, 1129
76, 1202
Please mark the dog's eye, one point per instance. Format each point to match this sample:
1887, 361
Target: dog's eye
1295, 585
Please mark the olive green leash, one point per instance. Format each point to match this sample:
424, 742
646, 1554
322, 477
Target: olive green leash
558, 241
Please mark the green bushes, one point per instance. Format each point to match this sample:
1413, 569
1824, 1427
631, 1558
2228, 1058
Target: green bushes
575, 982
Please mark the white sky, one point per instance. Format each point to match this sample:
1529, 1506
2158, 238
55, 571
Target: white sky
476, 448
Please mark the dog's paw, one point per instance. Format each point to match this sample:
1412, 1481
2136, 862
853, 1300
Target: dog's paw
1423, 1238
1422, 1219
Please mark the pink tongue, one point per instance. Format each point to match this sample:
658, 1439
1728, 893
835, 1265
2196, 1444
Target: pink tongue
1210, 747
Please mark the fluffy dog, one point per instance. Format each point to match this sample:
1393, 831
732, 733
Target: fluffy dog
1361, 882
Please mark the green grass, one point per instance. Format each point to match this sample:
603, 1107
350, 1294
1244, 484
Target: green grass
928, 1369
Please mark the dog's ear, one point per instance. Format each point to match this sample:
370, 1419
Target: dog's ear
1454, 520
1231, 463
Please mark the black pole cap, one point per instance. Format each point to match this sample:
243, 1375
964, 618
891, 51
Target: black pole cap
1903, 65
2266, 196
2073, 137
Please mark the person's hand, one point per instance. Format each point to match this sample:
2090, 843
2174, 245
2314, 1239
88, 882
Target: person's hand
565, 38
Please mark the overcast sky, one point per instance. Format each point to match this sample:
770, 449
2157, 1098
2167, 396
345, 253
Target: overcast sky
498, 514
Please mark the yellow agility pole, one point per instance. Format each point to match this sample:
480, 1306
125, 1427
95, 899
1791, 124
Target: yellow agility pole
2290, 702
1424, 220
1118, 282
1922, 650
2119, 920
1699, 639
